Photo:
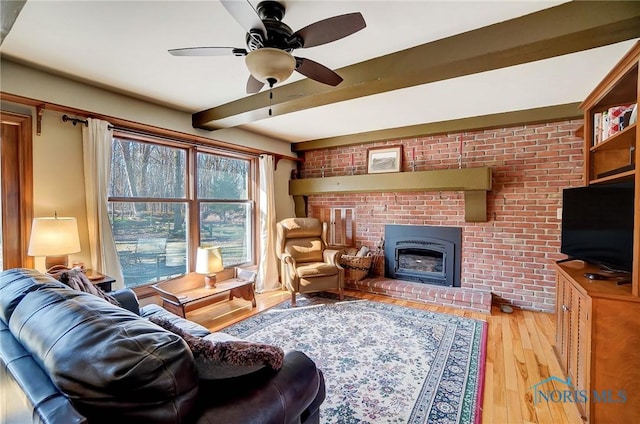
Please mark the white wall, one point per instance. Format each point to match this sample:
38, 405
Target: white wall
284, 203
57, 152
28, 82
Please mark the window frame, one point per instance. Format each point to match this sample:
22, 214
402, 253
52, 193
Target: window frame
250, 201
191, 200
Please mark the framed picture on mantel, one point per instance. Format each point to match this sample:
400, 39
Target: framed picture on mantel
384, 159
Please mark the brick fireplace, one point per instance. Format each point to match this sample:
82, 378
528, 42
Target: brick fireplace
510, 255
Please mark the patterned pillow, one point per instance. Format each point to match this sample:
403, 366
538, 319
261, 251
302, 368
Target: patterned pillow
76, 279
226, 359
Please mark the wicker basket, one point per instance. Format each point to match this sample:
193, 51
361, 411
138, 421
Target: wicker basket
355, 267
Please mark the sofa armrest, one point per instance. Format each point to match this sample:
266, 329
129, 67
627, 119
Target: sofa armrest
128, 300
193, 328
291, 395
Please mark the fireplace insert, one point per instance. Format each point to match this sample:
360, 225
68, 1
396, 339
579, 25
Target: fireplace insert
424, 254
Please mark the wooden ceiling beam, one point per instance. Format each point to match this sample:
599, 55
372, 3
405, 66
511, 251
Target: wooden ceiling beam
564, 29
474, 123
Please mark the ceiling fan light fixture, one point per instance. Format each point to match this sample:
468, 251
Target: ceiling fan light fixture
268, 63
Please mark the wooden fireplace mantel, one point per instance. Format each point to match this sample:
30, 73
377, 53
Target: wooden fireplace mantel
474, 182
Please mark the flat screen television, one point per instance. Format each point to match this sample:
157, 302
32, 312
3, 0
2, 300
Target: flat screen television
597, 226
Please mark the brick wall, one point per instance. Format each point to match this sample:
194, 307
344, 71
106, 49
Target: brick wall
511, 255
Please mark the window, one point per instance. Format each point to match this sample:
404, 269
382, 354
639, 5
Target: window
152, 207
225, 209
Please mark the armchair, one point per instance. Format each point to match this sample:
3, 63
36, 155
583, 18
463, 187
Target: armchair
306, 265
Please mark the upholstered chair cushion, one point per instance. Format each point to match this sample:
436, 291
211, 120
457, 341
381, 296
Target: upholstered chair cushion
301, 227
305, 249
316, 269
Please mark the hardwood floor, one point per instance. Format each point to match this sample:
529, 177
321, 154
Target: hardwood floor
519, 355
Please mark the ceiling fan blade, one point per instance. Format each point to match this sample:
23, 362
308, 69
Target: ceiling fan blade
244, 13
254, 85
208, 51
330, 29
316, 71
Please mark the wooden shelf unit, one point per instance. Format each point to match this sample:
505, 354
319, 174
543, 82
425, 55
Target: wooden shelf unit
615, 159
598, 321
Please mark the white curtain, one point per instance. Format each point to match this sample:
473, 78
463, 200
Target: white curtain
268, 267
96, 150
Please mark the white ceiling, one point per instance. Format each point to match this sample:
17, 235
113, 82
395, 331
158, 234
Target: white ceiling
122, 45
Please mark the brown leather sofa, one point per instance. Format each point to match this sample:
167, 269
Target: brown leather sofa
71, 357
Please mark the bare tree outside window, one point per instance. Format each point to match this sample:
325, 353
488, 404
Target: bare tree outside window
225, 208
149, 205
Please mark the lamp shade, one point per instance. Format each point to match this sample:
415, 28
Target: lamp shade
209, 260
54, 236
267, 64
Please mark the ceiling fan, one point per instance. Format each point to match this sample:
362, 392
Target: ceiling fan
270, 43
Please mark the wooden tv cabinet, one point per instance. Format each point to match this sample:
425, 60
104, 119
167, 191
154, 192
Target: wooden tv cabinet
598, 343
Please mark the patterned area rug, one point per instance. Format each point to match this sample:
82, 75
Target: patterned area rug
382, 363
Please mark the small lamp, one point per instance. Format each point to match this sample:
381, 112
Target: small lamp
208, 262
55, 238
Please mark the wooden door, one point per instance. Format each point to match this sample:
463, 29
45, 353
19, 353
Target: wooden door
16, 189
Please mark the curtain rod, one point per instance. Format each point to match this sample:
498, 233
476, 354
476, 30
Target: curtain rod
75, 121
41, 106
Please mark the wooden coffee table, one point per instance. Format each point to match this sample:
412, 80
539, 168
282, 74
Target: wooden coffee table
183, 294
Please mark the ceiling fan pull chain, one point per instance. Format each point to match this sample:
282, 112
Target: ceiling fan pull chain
271, 81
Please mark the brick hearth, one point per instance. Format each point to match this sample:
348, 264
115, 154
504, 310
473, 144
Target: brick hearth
474, 300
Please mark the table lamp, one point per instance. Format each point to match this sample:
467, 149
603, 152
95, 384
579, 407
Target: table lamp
55, 238
208, 262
